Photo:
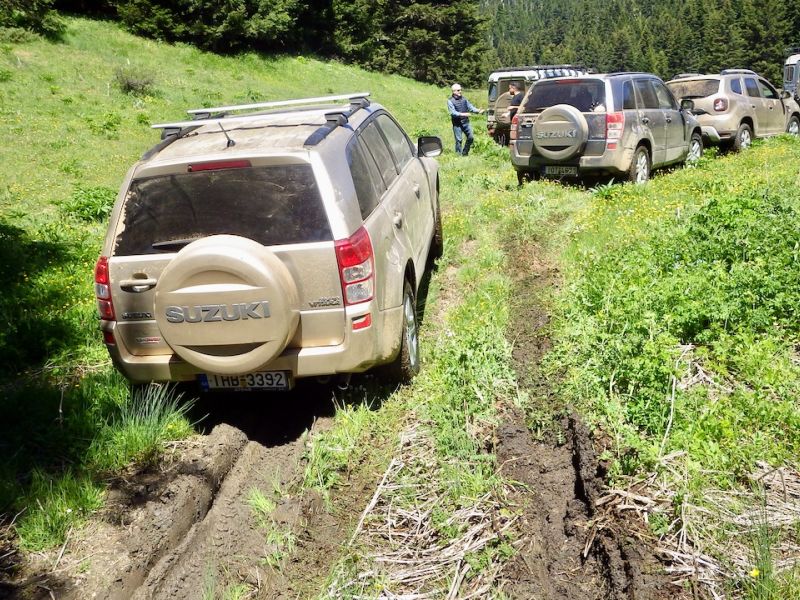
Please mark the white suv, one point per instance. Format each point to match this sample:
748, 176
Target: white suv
250, 249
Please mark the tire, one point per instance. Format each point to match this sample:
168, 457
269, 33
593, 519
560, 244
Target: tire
524, 176
793, 127
639, 171
437, 242
406, 365
743, 139
695, 149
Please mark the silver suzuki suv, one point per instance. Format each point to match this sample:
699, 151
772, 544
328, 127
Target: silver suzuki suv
618, 124
249, 249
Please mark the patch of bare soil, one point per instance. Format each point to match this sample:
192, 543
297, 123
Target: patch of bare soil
569, 549
189, 530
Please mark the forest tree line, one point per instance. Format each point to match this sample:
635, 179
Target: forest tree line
440, 41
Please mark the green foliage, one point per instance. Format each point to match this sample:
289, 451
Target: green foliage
150, 416
134, 81
33, 15
90, 203
698, 273
228, 27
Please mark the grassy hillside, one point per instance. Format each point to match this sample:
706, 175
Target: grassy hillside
675, 328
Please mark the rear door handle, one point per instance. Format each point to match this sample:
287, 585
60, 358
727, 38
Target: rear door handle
137, 286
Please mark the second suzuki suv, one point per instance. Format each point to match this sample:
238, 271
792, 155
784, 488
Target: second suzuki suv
736, 106
618, 124
247, 250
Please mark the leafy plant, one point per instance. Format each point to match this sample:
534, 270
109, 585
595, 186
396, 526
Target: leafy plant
90, 203
134, 81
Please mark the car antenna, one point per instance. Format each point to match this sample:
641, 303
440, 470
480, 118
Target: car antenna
230, 141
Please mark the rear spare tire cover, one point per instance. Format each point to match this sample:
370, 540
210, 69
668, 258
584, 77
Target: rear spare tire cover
226, 305
560, 132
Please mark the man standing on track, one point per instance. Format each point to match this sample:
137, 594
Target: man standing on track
459, 109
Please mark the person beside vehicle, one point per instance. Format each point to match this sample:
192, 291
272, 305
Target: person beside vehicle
516, 93
460, 109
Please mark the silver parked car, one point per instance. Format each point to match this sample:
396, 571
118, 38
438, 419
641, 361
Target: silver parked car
736, 106
618, 124
247, 250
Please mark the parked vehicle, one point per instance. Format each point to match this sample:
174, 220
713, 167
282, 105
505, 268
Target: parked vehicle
618, 124
247, 250
736, 106
499, 125
791, 73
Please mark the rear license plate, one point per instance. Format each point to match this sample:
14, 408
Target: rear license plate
560, 170
261, 380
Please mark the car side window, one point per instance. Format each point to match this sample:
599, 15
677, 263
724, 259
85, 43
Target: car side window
752, 87
646, 93
377, 147
628, 97
736, 86
665, 98
366, 178
767, 90
398, 142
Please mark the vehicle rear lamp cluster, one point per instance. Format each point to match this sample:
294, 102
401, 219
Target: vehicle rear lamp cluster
356, 267
615, 125
514, 125
721, 104
102, 289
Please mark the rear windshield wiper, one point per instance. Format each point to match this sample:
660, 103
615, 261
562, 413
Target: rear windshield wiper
172, 244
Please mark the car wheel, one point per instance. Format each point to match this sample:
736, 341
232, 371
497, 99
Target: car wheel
639, 171
744, 137
525, 176
437, 243
793, 128
403, 368
695, 149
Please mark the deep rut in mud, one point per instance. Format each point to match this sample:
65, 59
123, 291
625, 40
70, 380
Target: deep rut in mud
568, 549
189, 530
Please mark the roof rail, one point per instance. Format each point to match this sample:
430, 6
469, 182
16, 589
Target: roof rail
334, 120
224, 109
533, 67
684, 75
737, 72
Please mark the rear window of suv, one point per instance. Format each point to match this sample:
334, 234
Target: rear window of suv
272, 205
584, 94
698, 88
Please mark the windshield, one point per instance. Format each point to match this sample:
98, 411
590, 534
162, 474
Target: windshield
272, 205
586, 95
697, 88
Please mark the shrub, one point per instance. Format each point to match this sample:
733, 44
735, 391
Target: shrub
33, 15
90, 203
133, 81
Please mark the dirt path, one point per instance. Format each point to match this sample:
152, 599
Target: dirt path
189, 530
569, 549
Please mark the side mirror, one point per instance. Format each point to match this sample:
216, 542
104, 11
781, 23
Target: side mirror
429, 145
687, 104
786, 94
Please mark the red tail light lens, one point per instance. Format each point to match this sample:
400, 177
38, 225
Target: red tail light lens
514, 125
356, 272
615, 125
102, 289
721, 104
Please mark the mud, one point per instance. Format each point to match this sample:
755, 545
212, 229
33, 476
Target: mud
188, 530
567, 549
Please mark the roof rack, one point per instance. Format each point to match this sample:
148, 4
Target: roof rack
217, 115
532, 67
684, 75
737, 72
224, 109
334, 120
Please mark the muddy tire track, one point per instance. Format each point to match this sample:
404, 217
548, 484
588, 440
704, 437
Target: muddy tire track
568, 550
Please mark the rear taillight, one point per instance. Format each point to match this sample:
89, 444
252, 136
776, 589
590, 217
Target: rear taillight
356, 272
102, 289
721, 104
514, 125
615, 125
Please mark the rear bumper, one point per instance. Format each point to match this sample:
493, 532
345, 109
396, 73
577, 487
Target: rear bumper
614, 161
360, 350
711, 135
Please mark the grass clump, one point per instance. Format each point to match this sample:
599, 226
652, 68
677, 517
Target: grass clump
152, 415
90, 204
134, 81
